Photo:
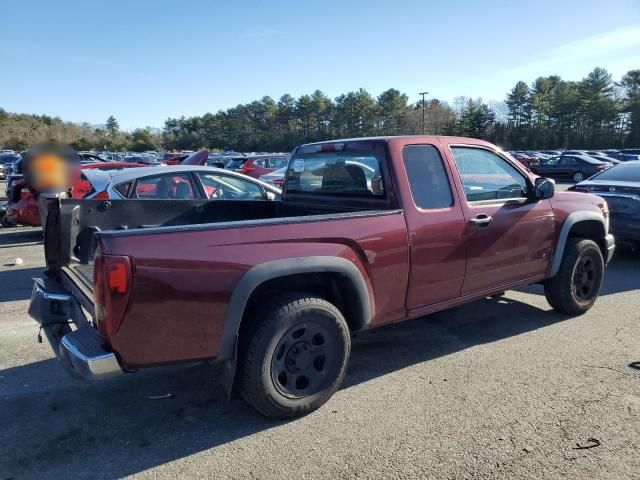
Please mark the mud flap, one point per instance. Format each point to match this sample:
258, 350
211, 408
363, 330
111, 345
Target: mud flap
229, 371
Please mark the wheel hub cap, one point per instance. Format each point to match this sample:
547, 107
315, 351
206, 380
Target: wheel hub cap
303, 360
299, 357
584, 278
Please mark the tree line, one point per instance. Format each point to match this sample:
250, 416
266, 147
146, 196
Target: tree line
595, 112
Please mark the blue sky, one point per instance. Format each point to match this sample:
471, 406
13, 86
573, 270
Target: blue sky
144, 61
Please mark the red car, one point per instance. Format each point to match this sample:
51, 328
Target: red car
368, 232
259, 165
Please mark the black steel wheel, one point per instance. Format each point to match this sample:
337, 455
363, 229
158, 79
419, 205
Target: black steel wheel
576, 286
304, 360
293, 355
584, 278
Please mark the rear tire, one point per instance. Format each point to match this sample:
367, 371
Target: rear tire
578, 177
5, 223
293, 356
575, 288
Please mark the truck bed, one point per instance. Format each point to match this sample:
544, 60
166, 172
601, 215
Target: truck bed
76, 222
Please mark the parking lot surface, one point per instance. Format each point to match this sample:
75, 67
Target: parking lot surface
500, 388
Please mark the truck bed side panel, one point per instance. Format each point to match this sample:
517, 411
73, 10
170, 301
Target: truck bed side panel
183, 281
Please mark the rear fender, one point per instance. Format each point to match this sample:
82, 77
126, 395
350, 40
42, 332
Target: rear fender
264, 272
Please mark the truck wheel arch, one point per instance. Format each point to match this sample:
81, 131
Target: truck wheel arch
264, 272
579, 224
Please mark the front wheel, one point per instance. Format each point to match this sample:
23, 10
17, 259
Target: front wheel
575, 288
294, 356
578, 177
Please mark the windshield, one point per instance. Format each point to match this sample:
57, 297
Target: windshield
625, 172
335, 174
235, 163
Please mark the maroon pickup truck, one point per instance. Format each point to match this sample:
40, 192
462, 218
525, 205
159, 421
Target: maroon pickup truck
368, 232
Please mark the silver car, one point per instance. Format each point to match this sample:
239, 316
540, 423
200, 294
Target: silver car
181, 182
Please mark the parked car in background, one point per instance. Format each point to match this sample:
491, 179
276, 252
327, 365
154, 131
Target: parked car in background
180, 182
88, 157
275, 178
141, 158
261, 165
274, 289
111, 157
216, 160
620, 187
627, 154
173, 158
525, 158
235, 163
606, 159
570, 167
7, 159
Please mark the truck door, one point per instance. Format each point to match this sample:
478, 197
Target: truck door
509, 235
436, 226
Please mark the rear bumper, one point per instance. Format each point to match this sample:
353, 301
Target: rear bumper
81, 350
610, 245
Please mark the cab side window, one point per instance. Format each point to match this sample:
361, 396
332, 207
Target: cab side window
487, 176
427, 176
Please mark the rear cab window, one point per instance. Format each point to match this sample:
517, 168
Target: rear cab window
332, 171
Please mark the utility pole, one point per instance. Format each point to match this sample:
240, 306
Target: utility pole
423, 108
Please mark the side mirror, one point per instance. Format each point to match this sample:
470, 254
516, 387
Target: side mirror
544, 188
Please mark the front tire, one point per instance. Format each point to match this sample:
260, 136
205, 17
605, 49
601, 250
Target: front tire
293, 356
575, 288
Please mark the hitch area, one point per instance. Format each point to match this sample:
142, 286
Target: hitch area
81, 350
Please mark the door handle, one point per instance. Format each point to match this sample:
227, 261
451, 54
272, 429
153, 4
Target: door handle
481, 220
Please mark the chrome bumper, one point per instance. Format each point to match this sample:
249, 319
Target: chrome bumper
610, 245
80, 350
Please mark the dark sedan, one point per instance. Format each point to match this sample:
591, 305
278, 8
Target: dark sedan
620, 187
570, 167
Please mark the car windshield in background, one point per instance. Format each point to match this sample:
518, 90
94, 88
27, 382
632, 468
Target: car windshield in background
625, 172
8, 159
335, 174
235, 163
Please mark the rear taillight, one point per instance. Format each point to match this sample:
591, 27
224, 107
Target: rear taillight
111, 291
101, 196
278, 182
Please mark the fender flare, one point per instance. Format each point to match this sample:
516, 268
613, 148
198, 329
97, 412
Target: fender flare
263, 272
570, 221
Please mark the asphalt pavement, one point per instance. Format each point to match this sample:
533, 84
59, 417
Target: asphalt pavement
500, 388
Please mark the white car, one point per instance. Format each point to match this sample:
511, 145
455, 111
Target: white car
181, 182
275, 178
